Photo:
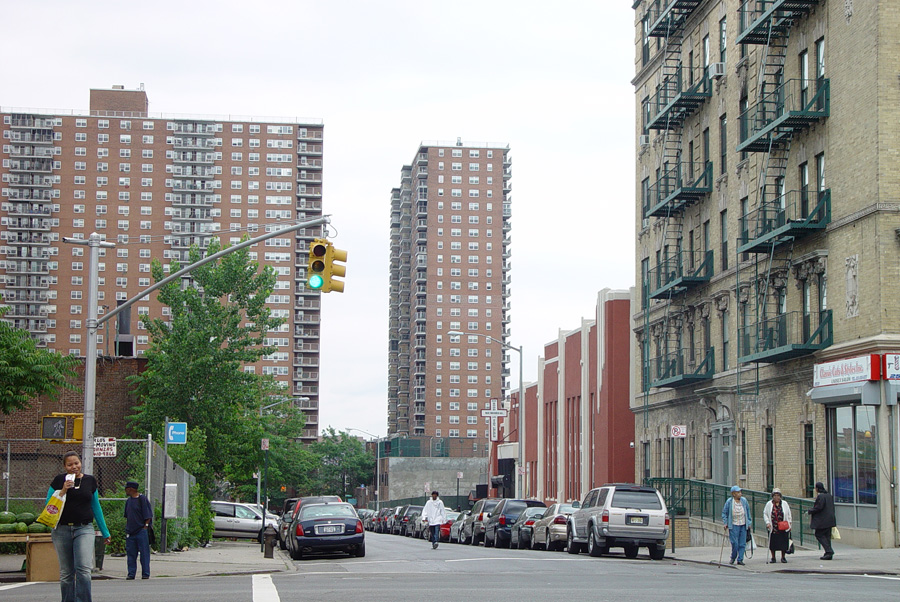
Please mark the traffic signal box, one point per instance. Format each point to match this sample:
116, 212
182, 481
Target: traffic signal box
322, 269
55, 428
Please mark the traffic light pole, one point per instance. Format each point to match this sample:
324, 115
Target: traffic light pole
94, 242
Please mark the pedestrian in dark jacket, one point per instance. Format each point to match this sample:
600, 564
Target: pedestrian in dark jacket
138, 515
823, 519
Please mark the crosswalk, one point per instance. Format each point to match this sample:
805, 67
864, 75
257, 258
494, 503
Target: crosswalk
264, 590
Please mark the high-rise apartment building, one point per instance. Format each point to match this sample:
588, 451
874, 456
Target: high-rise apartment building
767, 230
155, 185
450, 262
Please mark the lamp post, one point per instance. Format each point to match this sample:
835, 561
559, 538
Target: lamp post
377, 462
259, 473
520, 489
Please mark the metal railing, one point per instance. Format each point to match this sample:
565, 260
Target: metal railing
705, 500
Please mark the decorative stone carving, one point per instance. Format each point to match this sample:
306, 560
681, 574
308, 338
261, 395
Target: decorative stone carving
722, 301
744, 293
848, 9
852, 276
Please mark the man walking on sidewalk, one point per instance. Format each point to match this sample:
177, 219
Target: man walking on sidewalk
138, 515
823, 519
434, 514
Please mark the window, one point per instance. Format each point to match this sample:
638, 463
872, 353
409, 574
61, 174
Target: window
770, 457
726, 339
809, 465
723, 229
723, 38
723, 144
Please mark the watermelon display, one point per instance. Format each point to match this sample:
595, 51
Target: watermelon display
7, 518
25, 517
38, 528
21, 528
7, 528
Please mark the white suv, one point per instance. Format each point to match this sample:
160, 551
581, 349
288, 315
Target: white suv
620, 515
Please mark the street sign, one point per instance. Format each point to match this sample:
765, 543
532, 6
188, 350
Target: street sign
265, 445
492, 413
679, 431
104, 447
176, 433
459, 475
521, 470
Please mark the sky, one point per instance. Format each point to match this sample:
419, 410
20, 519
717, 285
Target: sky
551, 80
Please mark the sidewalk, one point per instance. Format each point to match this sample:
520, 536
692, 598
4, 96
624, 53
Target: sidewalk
221, 558
847, 560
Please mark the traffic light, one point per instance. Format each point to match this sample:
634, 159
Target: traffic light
322, 268
315, 277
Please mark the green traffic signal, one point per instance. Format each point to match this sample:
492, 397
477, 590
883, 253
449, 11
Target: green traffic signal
315, 282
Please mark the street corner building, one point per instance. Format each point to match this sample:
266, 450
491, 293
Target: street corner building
155, 184
767, 235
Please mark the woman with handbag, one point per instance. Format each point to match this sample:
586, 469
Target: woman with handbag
777, 515
73, 536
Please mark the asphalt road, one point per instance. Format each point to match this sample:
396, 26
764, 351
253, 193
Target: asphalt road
398, 569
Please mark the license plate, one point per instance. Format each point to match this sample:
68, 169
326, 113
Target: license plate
329, 529
636, 520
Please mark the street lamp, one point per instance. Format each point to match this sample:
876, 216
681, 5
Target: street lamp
377, 458
258, 472
520, 489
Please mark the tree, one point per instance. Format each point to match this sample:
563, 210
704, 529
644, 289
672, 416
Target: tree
344, 463
195, 364
27, 372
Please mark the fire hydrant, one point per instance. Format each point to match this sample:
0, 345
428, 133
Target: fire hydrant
269, 537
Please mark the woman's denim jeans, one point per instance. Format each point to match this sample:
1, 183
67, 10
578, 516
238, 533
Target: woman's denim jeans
75, 550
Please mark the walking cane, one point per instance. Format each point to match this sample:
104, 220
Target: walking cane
768, 542
722, 551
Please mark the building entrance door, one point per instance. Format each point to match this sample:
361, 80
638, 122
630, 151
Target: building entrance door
722, 461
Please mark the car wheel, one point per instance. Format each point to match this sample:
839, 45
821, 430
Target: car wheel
281, 544
296, 554
657, 553
571, 546
548, 545
520, 544
594, 548
501, 542
488, 543
360, 550
631, 551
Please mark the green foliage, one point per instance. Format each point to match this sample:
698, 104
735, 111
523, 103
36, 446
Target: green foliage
195, 366
343, 464
27, 372
201, 517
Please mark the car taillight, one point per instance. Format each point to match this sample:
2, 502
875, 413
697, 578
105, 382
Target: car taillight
481, 517
529, 522
502, 520
559, 520
667, 519
299, 530
359, 528
604, 518
405, 519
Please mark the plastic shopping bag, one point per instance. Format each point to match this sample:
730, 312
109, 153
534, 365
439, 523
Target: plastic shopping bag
53, 510
835, 534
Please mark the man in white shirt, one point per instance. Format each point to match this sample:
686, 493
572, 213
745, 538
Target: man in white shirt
434, 514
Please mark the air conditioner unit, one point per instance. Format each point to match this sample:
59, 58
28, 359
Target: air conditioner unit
716, 70
645, 140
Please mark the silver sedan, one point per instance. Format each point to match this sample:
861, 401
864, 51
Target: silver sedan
549, 533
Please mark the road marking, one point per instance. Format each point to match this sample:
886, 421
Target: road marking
882, 577
264, 590
15, 585
518, 558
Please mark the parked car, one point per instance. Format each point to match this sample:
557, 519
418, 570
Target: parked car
521, 531
381, 520
452, 517
327, 527
500, 520
473, 529
549, 532
455, 528
402, 520
233, 519
299, 502
365, 514
283, 527
414, 524
620, 515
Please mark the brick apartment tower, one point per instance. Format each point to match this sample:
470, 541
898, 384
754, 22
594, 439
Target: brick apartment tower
155, 185
766, 237
450, 261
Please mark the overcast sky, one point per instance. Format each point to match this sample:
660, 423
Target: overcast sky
549, 79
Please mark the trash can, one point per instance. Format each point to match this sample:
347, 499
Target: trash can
99, 550
269, 538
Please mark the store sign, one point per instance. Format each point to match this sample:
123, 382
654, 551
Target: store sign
892, 366
852, 370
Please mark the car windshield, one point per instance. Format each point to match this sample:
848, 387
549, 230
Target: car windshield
326, 511
645, 500
566, 508
490, 505
534, 511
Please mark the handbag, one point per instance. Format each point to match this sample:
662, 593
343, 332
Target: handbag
783, 525
790, 549
52, 511
151, 536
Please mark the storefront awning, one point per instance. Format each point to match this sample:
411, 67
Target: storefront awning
866, 393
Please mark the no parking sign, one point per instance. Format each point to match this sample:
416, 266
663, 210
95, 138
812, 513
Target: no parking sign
679, 431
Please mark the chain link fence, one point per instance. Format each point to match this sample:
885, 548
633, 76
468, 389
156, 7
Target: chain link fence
28, 465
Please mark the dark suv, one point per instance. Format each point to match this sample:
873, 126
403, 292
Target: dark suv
402, 523
619, 515
473, 530
498, 524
